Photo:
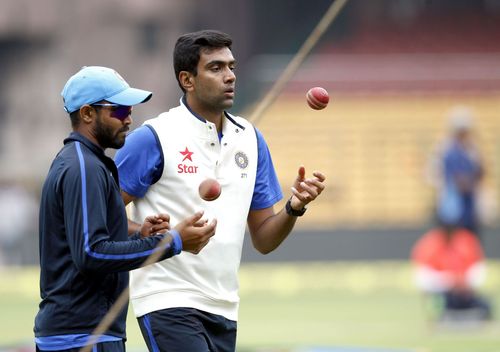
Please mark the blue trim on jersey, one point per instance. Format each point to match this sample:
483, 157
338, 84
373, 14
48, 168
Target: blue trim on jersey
140, 161
267, 190
232, 120
199, 117
66, 342
88, 250
156, 175
152, 341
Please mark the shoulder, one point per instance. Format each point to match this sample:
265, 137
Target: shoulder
76, 157
247, 127
158, 119
76, 162
240, 121
142, 138
166, 117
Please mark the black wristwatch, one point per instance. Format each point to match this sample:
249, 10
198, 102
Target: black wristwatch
292, 212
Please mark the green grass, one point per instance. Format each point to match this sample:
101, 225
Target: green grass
293, 305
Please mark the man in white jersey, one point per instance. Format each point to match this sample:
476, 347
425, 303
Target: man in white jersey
190, 303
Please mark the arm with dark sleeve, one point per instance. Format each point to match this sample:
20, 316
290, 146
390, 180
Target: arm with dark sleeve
84, 195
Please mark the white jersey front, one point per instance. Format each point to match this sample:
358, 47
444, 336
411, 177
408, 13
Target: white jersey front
192, 152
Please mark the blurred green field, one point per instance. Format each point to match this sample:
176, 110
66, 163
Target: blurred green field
290, 306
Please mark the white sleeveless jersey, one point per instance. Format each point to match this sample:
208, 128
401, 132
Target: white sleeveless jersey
192, 152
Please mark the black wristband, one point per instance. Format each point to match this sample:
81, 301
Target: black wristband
292, 212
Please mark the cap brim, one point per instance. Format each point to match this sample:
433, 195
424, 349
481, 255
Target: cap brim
130, 97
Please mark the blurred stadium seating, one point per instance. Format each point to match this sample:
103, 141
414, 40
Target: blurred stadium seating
391, 84
375, 149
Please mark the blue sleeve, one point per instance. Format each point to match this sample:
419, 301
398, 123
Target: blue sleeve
267, 190
139, 161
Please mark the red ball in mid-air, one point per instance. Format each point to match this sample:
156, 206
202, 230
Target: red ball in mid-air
317, 98
209, 189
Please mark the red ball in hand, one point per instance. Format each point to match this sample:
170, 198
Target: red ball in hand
209, 189
317, 98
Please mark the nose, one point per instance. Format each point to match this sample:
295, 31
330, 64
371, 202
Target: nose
128, 120
230, 76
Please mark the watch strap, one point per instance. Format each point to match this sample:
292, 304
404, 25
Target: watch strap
292, 212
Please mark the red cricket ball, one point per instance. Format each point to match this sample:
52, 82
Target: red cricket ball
317, 98
209, 189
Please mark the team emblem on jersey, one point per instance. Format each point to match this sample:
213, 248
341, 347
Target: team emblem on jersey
241, 160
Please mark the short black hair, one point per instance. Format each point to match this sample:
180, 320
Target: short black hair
188, 47
75, 118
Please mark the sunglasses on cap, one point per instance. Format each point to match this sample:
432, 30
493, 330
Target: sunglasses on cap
120, 112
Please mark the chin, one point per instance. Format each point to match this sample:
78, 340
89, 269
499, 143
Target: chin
228, 104
117, 143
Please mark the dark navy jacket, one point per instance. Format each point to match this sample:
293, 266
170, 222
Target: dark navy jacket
85, 251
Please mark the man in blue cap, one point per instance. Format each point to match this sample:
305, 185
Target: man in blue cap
85, 250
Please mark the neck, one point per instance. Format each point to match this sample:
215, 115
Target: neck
87, 134
209, 114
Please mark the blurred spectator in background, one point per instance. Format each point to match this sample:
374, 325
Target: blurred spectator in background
18, 221
449, 264
456, 171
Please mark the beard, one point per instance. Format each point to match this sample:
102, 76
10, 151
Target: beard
215, 102
107, 137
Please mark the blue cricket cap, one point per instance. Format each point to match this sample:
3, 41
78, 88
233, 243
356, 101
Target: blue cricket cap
95, 83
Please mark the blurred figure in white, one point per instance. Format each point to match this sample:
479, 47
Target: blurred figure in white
456, 170
18, 216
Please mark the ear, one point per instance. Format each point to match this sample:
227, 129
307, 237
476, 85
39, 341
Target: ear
87, 114
186, 80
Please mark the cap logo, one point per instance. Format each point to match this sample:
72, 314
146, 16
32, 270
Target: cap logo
119, 76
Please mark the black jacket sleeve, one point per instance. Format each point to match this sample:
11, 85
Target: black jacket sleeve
91, 199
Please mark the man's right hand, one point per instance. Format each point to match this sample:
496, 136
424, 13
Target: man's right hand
195, 233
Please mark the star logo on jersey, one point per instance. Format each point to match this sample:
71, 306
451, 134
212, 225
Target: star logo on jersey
187, 168
187, 154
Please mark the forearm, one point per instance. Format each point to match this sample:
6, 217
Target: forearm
268, 229
112, 256
272, 232
132, 225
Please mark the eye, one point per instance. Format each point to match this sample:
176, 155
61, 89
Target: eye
215, 68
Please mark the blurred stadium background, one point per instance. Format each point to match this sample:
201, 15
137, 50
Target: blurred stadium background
394, 68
